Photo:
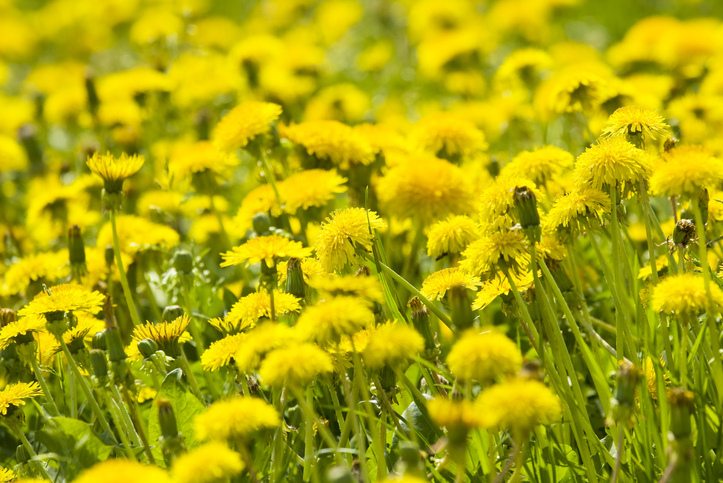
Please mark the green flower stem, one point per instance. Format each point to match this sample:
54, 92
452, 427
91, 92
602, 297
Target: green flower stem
123, 412
124, 279
191, 378
519, 461
431, 306
528, 324
616, 280
86, 390
587, 323
198, 338
360, 378
313, 418
390, 410
270, 174
353, 416
337, 405
272, 308
73, 395
645, 206
225, 240
309, 457
33, 455
619, 454
122, 429
134, 412
44, 386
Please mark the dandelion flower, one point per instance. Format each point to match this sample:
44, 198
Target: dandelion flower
613, 161
21, 330
266, 248
391, 344
166, 334
310, 267
250, 308
208, 463
238, 418
220, 353
518, 405
637, 119
115, 170
136, 234
329, 320
311, 188
243, 123
484, 356
447, 135
484, 255
367, 288
7, 475
121, 470
426, 189
342, 233
684, 293
498, 286
452, 414
297, 365
262, 339
200, 157
686, 170
539, 165
451, 236
572, 90
14, 395
496, 203
64, 298
49, 266
570, 210
332, 141
437, 284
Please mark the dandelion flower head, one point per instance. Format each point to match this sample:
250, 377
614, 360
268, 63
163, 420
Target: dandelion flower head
637, 119
21, 330
329, 320
484, 355
341, 233
262, 339
332, 141
684, 293
14, 395
686, 170
121, 470
114, 170
518, 405
611, 162
234, 419
451, 236
220, 353
447, 135
453, 414
391, 344
437, 284
310, 188
484, 256
363, 287
539, 165
264, 248
243, 123
64, 298
298, 365
207, 463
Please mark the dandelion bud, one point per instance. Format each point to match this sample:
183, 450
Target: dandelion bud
295, 284
410, 460
680, 451
526, 205
7, 316
561, 278
76, 251
669, 144
387, 378
171, 441
147, 347
623, 401
28, 136
116, 352
202, 120
91, 92
98, 341
461, 308
21, 454
261, 223
684, 232
100, 367
172, 312
703, 200
183, 261
420, 320
109, 256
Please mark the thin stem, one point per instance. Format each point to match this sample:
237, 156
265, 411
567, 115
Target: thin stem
272, 308
517, 448
198, 338
127, 423
124, 279
191, 378
530, 326
311, 415
117, 419
645, 206
683, 362
617, 279
270, 174
359, 377
138, 422
309, 457
33, 455
619, 454
73, 395
44, 386
86, 390
221, 228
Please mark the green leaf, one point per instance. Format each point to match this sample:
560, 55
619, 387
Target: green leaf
75, 441
185, 406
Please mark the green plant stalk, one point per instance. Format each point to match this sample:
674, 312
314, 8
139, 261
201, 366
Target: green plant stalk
309, 456
86, 390
617, 279
134, 412
198, 338
270, 174
191, 378
221, 228
359, 377
530, 325
337, 406
73, 395
33, 455
44, 386
127, 422
311, 415
645, 207
519, 459
121, 427
618, 454
683, 361
403, 282
124, 279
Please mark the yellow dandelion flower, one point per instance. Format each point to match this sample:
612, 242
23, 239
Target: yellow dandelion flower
484, 255
684, 293
13, 155
207, 463
498, 286
49, 266
7, 475
86, 327
331, 140
166, 334
497, 201
651, 378
243, 123
114, 170
570, 210
437, 284
685, 171
136, 234
637, 119
329, 320
660, 263
367, 288
261, 339
391, 344
451, 236
310, 267
484, 356
518, 405
259, 200
310, 188
385, 138
14, 395
452, 414
426, 189
267, 248
21, 330
575, 89
522, 67
610, 162
341, 102
121, 470
539, 165
64, 298
297, 365
238, 418
249, 309
201, 156
448, 136
220, 353
342, 233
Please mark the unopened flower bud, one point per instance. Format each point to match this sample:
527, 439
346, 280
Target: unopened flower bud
7, 316
669, 144
91, 92
623, 401
421, 322
147, 347
681, 406
98, 341
529, 217
684, 232
387, 378
116, 352
171, 441
109, 256
183, 261
76, 252
261, 223
461, 307
172, 312
100, 367
295, 284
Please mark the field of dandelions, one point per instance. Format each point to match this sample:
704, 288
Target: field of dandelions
353, 241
